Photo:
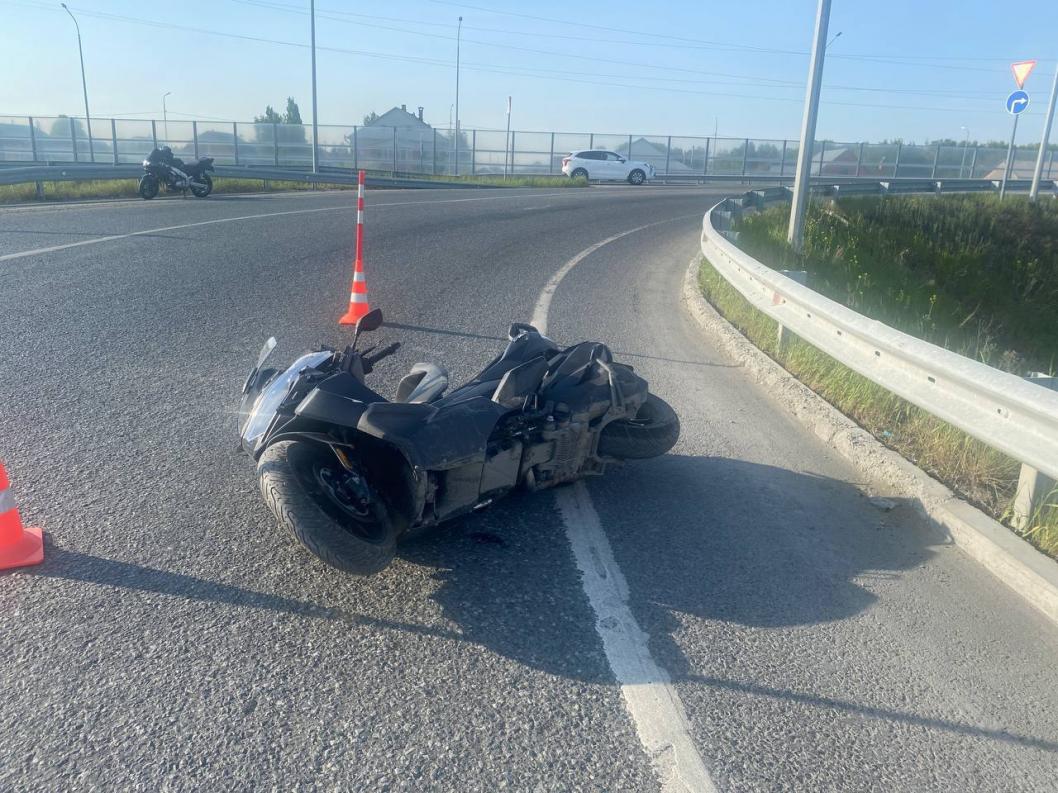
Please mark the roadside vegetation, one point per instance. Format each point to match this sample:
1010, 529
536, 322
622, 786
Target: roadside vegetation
126, 188
965, 272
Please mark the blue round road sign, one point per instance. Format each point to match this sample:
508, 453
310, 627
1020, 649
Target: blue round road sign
1017, 102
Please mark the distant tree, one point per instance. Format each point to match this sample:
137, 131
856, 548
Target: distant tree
60, 128
293, 114
270, 117
370, 118
288, 127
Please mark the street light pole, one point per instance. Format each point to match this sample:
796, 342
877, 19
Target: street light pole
315, 131
1046, 138
795, 234
84, 84
455, 143
965, 145
165, 116
507, 154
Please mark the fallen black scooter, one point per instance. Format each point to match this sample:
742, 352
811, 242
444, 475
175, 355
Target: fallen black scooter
349, 472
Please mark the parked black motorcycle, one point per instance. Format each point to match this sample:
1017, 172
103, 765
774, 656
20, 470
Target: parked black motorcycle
162, 168
348, 472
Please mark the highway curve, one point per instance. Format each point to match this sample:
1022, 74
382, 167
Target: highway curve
174, 639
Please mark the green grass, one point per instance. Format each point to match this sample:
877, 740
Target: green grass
126, 188
969, 273
984, 476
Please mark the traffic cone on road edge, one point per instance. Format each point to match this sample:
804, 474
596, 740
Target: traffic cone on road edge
19, 547
358, 305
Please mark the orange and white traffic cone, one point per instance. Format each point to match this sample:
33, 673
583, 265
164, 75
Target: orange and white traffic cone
358, 305
19, 547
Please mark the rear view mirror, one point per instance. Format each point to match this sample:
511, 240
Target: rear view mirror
372, 320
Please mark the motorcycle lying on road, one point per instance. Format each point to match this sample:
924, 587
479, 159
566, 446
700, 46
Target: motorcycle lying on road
162, 168
349, 472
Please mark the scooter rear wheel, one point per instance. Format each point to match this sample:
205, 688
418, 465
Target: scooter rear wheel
653, 431
331, 511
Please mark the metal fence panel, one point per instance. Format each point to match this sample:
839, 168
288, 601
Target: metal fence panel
16, 142
687, 156
426, 150
726, 155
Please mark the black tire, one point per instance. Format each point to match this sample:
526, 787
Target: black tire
653, 431
579, 173
637, 176
148, 187
202, 192
289, 473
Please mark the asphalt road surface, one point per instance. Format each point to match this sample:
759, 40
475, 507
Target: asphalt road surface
175, 639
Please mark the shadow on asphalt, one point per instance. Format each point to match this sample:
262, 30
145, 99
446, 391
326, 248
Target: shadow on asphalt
69, 565
722, 540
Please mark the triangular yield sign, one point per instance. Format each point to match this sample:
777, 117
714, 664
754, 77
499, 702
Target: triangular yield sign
1021, 71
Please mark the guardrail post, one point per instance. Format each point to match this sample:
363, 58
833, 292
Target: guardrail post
275, 144
73, 138
745, 156
114, 139
235, 140
1034, 488
474, 151
394, 171
859, 159
154, 133
194, 136
896, 165
32, 138
551, 157
783, 334
936, 157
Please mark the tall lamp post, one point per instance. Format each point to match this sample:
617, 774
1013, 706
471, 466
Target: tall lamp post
165, 116
796, 232
315, 129
508, 154
84, 84
455, 143
965, 146
1035, 189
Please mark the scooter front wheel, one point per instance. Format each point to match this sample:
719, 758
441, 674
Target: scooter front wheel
331, 511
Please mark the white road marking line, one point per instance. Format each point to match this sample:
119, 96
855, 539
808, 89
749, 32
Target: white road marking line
351, 208
649, 696
543, 303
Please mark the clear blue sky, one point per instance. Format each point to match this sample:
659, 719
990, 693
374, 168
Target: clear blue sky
901, 68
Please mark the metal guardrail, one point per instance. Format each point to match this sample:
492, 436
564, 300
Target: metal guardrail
10, 175
1000, 409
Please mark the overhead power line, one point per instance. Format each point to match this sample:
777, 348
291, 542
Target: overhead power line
492, 68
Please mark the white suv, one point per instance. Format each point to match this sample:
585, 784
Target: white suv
602, 164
